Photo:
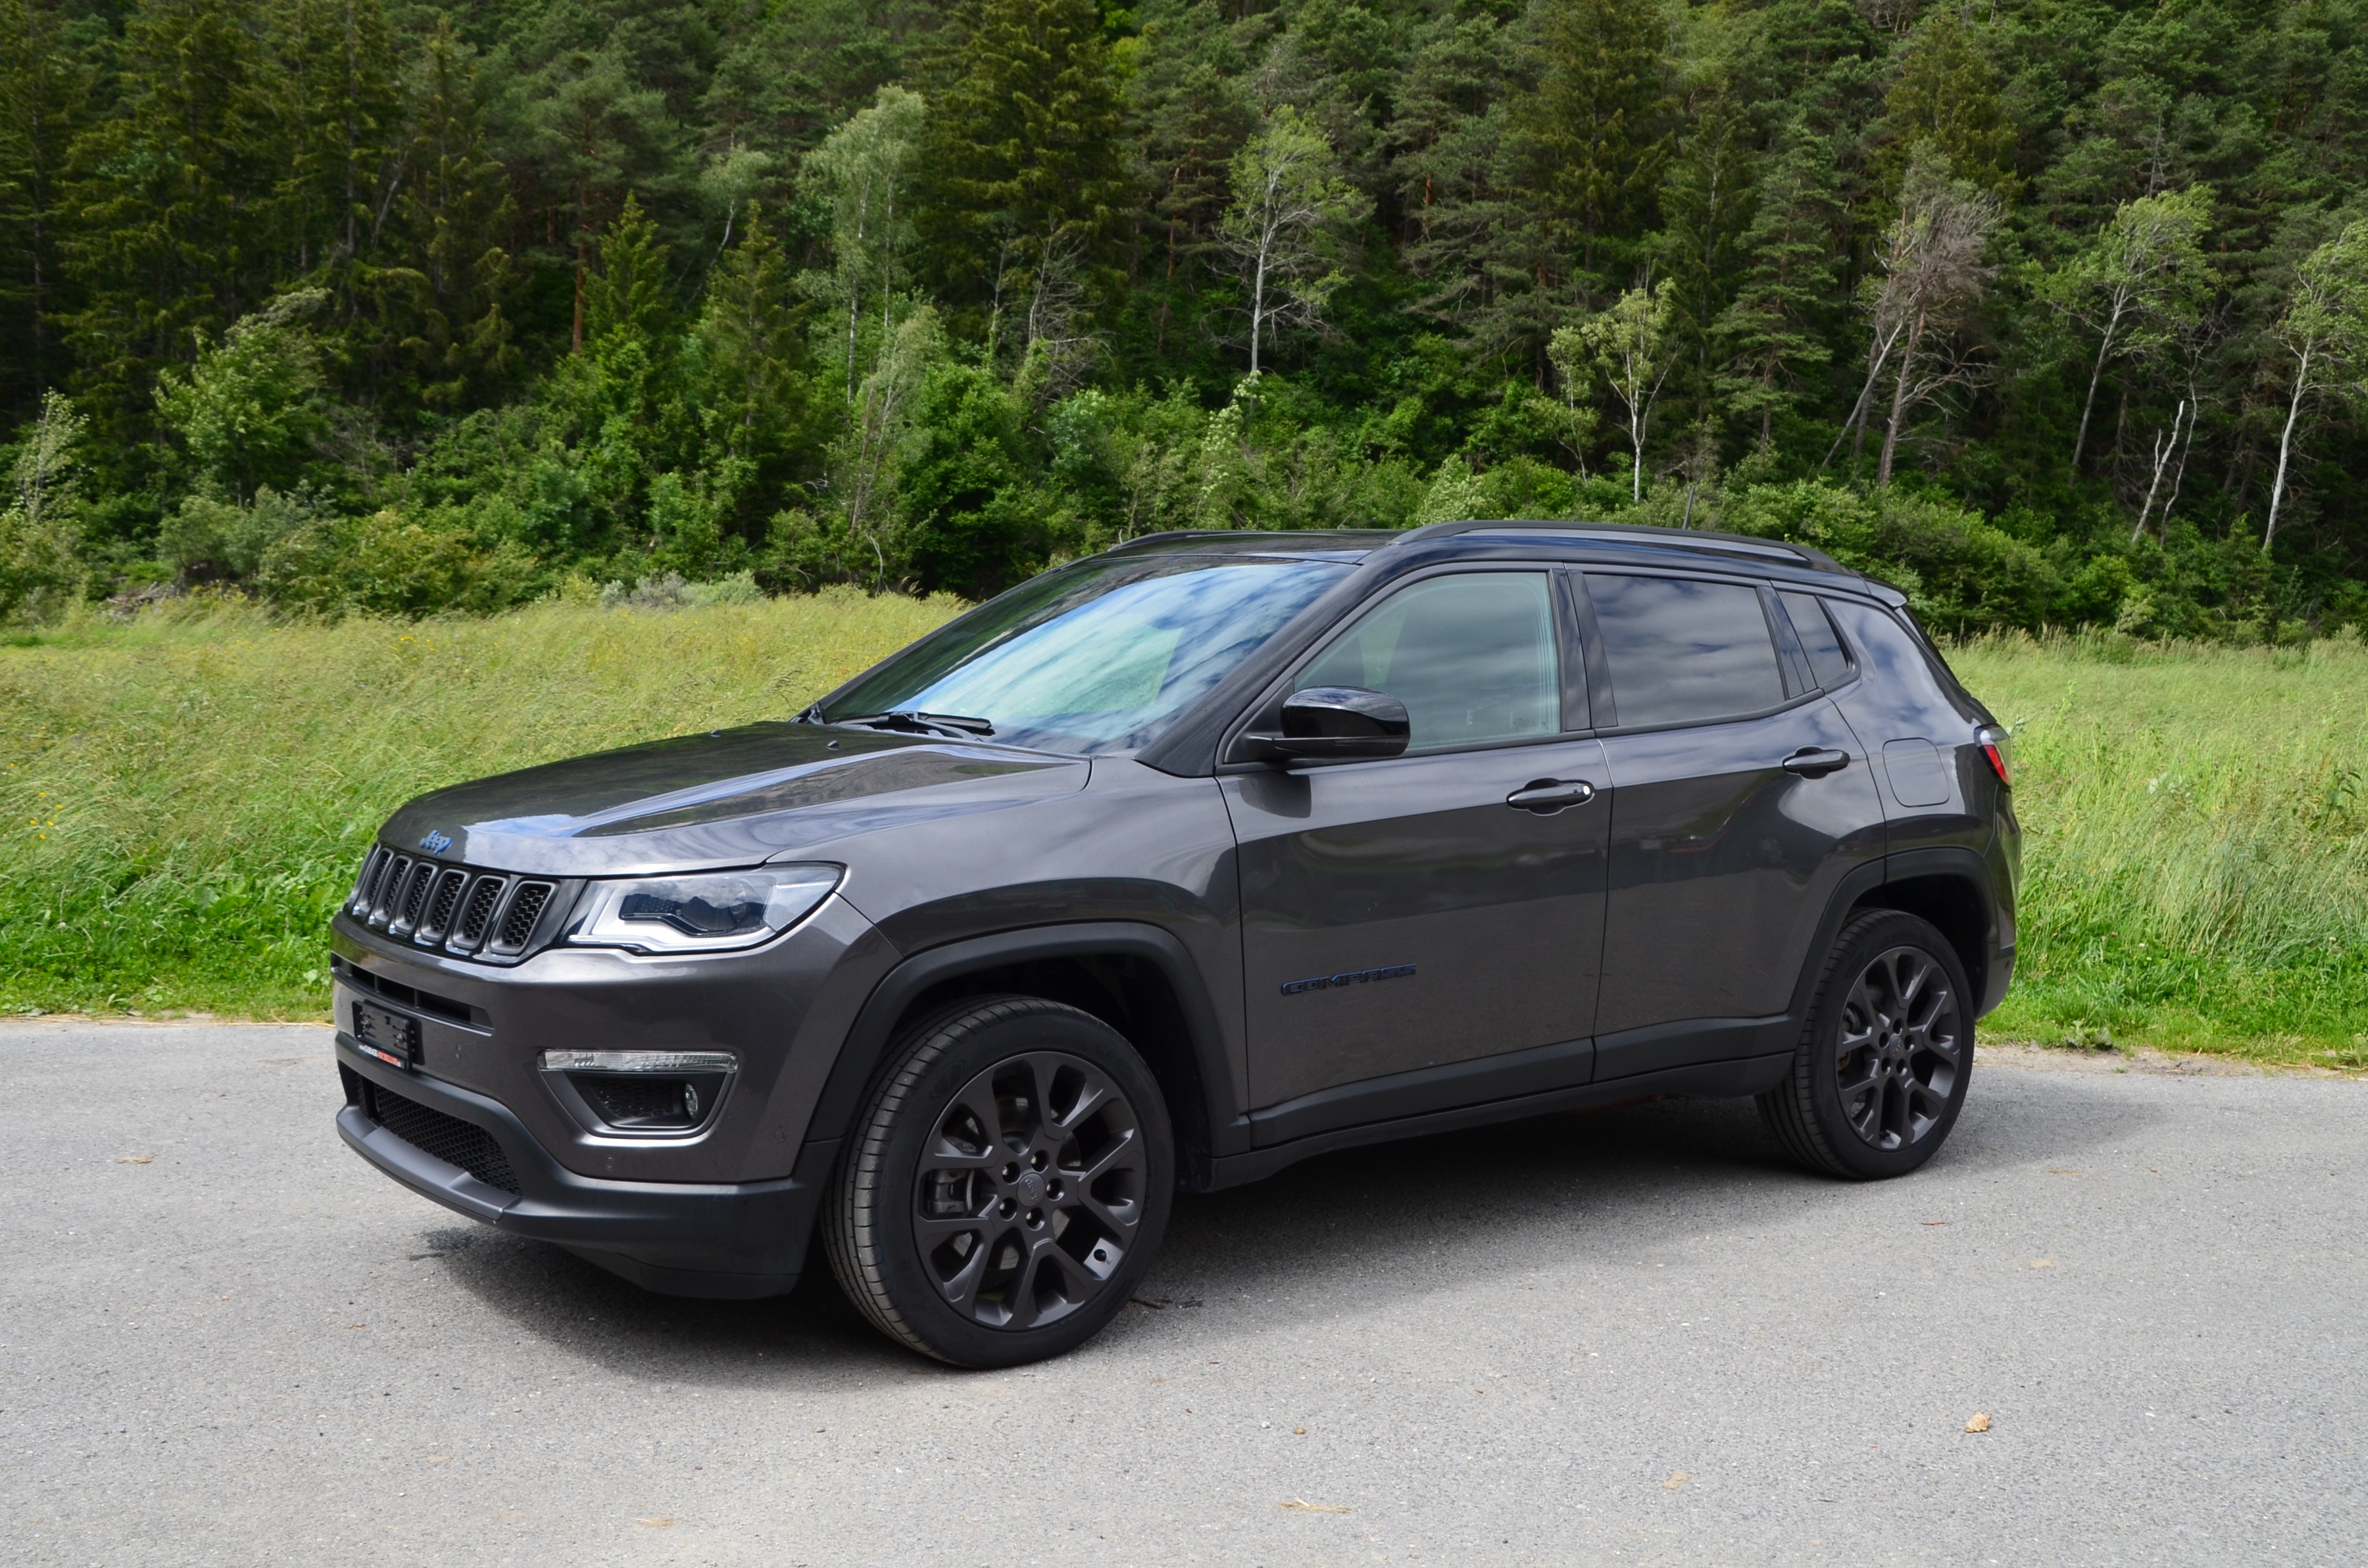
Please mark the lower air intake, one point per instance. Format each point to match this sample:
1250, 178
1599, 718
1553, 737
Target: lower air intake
447, 1138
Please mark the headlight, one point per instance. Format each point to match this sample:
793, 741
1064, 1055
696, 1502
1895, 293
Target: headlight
713, 913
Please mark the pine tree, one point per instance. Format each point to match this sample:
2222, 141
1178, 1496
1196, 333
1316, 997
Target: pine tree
1474, 236
627, 299
1776, 330
450, 224
752, 393
1706, 199
1948, 97
1025, 159
44, 103
1597, 131
592, 133
170, 197
339, 124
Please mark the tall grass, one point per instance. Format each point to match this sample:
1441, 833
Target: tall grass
185, 797
2196, 829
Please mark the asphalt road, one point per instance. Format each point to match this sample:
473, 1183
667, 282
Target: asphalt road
1629, 1337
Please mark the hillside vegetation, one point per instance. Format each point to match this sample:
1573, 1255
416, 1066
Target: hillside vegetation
2054, 311
187, 797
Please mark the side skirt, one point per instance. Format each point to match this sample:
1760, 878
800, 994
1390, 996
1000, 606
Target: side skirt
1711, 1080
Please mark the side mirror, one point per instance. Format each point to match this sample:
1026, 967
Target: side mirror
1334, 723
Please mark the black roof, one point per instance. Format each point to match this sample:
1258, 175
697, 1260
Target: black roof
1630, 540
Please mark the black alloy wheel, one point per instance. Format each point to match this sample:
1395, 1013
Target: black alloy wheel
1005, 1186
1901, 1049
1030, 1193
1882, 1069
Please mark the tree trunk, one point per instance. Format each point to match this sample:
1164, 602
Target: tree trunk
2096, 374
2285, 445
2163, 448
1899, 404
1257, 306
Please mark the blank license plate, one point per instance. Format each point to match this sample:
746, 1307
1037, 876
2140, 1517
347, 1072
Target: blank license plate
389, 1036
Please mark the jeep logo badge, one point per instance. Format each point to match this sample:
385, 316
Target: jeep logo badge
435, 843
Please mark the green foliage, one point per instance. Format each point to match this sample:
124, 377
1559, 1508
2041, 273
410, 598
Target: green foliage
40, 564
878, 292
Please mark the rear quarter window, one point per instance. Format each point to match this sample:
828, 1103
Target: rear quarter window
1682, 651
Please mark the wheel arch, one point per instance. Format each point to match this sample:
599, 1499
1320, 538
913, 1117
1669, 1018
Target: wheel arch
1137, 978
1949, 890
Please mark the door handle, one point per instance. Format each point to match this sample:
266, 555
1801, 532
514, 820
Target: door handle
1547, 796
1814, 762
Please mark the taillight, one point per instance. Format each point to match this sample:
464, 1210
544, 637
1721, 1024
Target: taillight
1995, 744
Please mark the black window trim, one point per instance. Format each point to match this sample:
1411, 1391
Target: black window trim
1270, 701
1599, 662
1841, 638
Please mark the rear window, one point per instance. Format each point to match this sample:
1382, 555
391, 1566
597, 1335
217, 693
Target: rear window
1684, 651
1829, 660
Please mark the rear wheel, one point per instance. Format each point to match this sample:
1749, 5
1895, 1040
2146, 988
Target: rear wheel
1005, 1186
1882, 1072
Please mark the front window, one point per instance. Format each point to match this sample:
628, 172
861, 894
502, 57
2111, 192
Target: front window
1092, 658
1472, 655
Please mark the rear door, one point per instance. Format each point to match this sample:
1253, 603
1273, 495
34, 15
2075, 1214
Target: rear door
1401, 914
1740, 800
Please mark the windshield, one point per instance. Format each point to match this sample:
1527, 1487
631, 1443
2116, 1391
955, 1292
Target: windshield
1094, 658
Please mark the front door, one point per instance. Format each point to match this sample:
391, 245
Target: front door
1403, 914
1739, 802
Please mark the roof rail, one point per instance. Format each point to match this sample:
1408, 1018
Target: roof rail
1645, 534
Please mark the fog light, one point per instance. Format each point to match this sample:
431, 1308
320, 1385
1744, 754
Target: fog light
637, 1061
644, 1091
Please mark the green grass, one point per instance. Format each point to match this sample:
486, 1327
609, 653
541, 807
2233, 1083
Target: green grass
186, 798
2195, 825
186, 795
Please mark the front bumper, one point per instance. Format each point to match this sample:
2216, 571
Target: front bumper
735, 1240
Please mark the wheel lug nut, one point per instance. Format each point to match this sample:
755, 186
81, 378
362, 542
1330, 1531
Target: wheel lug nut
1006, 1208
1035, 1218
1037, 1160
1011, 1173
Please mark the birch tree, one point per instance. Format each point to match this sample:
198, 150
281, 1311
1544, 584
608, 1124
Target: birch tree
2141, 282
867, 165
1632, 346
2324, 332
1291, 214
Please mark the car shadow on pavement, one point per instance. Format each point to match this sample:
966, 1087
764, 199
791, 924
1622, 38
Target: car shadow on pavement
1626, 1185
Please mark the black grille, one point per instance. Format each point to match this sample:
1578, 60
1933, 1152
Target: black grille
456, 909
447, 1138
478, 913
441, 905
390, 890
414, 897
374, 865
518, 921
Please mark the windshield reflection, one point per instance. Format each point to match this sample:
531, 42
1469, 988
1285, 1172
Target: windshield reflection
1094, 658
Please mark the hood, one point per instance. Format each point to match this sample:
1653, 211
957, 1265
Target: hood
729, 798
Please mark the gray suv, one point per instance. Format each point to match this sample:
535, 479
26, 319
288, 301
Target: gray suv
1169, 868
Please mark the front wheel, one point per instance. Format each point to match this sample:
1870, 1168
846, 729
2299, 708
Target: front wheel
1882, 1072
1005, 1186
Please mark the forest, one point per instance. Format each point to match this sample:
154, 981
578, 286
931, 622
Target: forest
2054, 311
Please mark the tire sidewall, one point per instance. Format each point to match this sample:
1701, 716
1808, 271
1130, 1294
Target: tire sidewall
1038, 1026
1859, 947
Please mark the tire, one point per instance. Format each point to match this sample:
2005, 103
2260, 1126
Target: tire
966, 1222
1883, 1068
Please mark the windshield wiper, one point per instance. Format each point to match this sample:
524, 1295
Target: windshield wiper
911, 723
